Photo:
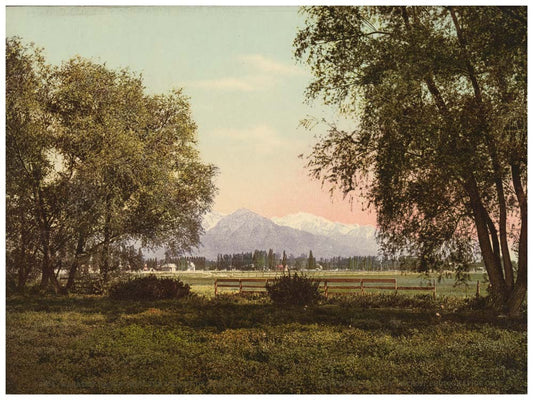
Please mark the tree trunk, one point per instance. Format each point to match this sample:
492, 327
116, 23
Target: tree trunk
46, 268
107, 240
22, 258
517, 297
519, 292
74, 267
48, 275
492, 263
507, 265
23, 267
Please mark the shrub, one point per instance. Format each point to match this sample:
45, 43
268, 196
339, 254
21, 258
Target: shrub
89, 284
149, 288
387, 300
293, 290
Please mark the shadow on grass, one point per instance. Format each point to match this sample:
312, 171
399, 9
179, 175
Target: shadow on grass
239, 312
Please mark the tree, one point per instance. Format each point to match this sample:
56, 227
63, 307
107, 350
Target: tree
27, 165
271, 259
259, 259
104, 165
311, 262
439, 96
284, 260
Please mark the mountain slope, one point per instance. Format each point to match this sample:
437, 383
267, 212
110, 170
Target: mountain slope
211, 219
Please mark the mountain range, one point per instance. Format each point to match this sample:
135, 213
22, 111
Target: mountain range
245, 231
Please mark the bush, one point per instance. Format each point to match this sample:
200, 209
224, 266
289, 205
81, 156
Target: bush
149, 288
387, 300
293, 290
89, 284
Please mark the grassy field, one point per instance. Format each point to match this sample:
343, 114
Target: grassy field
202, 282
244, 344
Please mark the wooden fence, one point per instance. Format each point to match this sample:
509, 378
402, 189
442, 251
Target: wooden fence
328, 286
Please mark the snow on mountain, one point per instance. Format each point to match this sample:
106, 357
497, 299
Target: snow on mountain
322, 226
211, 219
360, 237
312, 223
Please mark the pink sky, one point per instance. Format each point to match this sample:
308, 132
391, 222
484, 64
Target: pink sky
300, 194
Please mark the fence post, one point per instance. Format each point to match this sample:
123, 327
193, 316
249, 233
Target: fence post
326, 288
362, 286
216, 286
477, 290
240, 285
395, 286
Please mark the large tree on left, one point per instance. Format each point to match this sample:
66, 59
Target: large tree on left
120, 166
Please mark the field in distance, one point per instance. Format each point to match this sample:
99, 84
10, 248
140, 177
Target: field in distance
202, 282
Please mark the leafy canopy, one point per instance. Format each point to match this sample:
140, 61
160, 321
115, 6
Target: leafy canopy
406, 77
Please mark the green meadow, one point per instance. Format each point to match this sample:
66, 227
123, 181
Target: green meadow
372, 343
202, 282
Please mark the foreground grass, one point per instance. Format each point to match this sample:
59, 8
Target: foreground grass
238, 345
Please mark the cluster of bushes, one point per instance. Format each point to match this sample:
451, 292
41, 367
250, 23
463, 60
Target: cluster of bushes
149, 288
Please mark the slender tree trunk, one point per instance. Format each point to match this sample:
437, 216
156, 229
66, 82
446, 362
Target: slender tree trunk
22, 259
107, 240
46, 266
520, 289
506, 255
75, 263
45, 275
494, 237
492, 263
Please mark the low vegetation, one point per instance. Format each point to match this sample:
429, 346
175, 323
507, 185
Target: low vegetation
247, 344
293, 290
149, 288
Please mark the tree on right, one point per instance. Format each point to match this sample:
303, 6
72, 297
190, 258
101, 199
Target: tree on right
439, 97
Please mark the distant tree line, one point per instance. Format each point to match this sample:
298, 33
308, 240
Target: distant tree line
131, 259
263, 260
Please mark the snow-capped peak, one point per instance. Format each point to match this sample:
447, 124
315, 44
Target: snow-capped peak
314, 224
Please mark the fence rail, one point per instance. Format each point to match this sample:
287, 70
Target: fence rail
328, 286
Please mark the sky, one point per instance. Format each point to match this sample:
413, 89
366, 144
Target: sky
246, 90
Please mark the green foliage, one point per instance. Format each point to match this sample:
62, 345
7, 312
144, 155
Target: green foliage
149, 288
94, 162
438, 95
293, 290
93, 284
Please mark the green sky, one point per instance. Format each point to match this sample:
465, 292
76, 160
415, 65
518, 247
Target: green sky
235, 63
